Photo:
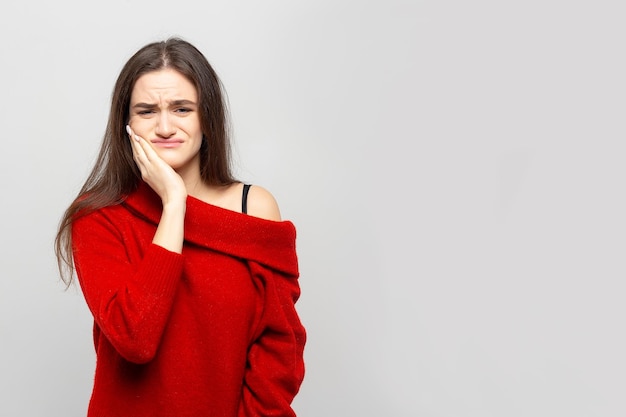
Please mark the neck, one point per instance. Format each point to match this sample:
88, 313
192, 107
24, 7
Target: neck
192, 179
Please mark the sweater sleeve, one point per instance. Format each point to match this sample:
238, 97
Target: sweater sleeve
130, 295
275, 366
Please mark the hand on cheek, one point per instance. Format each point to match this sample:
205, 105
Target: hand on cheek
155, 171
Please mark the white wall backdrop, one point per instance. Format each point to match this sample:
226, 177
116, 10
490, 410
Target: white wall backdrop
455, 170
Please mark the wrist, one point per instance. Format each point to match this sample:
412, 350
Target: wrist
174, 206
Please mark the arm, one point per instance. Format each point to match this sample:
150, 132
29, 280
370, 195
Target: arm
169, 186
130, 294
275, 366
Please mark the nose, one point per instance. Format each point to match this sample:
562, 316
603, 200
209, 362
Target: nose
164, 127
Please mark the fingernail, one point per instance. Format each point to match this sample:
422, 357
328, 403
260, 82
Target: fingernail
128, 130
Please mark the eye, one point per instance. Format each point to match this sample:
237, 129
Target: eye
183, 110
145, 112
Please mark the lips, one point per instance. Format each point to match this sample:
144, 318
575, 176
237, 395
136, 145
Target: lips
167, 143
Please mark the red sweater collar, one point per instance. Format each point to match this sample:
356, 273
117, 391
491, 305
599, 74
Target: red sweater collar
267, 242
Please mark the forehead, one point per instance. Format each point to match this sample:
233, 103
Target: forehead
164, 83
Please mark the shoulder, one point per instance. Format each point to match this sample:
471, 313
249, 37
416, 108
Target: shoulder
261, 203
110, 220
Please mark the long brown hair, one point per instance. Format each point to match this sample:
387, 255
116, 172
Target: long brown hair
115, 173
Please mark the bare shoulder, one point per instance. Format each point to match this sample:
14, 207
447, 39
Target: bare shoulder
261, 203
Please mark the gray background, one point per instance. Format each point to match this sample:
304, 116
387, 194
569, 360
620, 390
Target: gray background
454, 168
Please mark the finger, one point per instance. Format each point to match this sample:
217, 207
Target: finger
139, 155
146, 149
141, 148
132, 137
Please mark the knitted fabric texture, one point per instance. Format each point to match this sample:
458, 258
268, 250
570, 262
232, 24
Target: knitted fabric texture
209, 332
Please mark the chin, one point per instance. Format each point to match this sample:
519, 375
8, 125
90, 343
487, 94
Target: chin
178, 165
178, 162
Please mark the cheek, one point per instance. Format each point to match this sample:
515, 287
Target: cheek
196, 145
196, 136
140, 126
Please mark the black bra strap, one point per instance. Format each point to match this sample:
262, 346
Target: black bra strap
244, 199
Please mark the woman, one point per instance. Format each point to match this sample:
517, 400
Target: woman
191, 279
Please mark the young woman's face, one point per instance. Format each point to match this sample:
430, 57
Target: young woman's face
164, 111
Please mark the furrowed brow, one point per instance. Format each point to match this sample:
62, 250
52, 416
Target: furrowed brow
144, 106
182, 102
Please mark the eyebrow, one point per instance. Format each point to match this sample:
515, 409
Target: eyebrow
172, 103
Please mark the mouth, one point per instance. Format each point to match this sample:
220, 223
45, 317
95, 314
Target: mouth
167, 143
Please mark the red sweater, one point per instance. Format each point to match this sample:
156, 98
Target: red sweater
209, 332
